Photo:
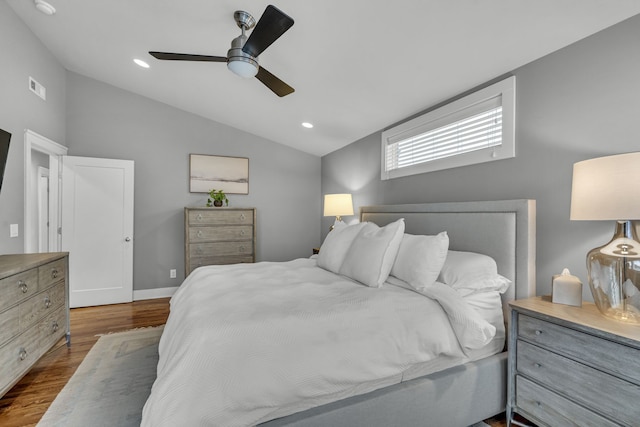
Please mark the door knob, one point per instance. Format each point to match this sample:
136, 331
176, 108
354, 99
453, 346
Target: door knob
127, 239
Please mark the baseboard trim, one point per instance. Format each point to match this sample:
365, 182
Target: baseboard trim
142, 294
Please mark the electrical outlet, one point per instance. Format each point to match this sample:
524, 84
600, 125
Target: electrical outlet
13, 230
172, 273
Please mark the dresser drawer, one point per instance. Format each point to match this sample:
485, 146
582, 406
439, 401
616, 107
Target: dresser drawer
219, 249
554, 410
595, 389
52, 328
19, 355
18, 287
52, 272
220, 217
9, 324
222, 233
41, 304
586, 348
215, 260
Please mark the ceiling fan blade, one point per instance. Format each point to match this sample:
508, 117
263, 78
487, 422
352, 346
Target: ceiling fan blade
187, 57
276, 85
272, 24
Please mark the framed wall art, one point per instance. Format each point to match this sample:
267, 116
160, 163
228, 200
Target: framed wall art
229, 174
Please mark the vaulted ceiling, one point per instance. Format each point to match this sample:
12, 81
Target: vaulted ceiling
357, 66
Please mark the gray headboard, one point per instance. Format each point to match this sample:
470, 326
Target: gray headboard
504, 230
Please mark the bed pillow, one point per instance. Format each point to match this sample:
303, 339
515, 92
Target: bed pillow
336, 245
472, 272
372, 253
420, 259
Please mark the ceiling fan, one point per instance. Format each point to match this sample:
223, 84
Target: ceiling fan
242, 58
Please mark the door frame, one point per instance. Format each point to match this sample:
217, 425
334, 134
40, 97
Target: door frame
36, 142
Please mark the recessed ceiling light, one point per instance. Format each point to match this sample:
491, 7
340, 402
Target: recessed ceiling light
45, 7
141, 63
307, 125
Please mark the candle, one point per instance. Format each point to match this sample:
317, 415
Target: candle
566, 289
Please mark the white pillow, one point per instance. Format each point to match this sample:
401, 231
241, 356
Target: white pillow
420, 259
336, 244
472, 272
372, 253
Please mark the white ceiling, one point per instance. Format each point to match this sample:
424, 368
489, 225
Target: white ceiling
357, 66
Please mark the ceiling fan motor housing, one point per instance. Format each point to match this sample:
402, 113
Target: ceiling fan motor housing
240, 62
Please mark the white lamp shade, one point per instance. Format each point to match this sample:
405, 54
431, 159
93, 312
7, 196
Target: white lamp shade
606, 188
338, 204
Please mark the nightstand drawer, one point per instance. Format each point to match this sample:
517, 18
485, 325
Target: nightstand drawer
553, 409
220, 234
589, 349
590, 387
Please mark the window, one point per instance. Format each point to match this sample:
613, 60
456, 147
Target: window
476, 128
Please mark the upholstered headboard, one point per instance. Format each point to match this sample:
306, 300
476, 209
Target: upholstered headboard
504, 230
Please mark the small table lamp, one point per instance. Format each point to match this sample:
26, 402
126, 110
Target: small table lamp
338, 205
608, 188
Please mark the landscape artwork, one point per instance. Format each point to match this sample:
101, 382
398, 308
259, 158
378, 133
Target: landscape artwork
229, 174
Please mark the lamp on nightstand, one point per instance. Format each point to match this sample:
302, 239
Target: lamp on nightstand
338, 205
608, 188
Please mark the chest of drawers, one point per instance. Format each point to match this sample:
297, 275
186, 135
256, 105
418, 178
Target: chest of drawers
34, 311
570, 366
218, 236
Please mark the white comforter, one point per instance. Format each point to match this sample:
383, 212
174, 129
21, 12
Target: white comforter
242, 342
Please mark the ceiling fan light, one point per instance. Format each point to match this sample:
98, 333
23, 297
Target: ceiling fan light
243, 68
45, 7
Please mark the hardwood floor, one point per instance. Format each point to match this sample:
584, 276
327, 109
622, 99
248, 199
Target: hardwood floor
28, 400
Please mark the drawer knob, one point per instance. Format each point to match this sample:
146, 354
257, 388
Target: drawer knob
54, 273
241, 249
23, 286
199, 217
199, 251
54, 326
538, 332
242, 232
47, 301
199, 233
242, 216
22, 354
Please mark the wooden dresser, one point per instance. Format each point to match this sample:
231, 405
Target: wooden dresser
218, 236
34, 311
571, 366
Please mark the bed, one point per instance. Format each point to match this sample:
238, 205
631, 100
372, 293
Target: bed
376, 369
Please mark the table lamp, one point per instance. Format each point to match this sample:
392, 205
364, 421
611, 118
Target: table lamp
338, 205
608, 188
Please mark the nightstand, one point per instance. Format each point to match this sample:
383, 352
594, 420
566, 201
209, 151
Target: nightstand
571, 366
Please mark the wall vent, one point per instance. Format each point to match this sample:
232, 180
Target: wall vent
37, 88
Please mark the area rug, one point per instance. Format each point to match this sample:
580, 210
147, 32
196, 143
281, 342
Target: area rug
112, 383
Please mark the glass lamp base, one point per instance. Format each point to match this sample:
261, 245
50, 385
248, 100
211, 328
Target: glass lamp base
614, 275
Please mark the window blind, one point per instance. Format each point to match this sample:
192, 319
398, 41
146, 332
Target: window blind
474, 128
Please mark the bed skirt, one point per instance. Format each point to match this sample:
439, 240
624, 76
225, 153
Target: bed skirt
458, 396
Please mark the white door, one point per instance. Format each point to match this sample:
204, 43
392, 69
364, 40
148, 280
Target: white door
43, 209
97, 229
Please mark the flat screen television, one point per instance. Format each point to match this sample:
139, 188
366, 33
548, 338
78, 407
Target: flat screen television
5, 138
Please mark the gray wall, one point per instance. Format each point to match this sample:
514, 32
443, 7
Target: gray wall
103, 121
577, 103
23, 55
